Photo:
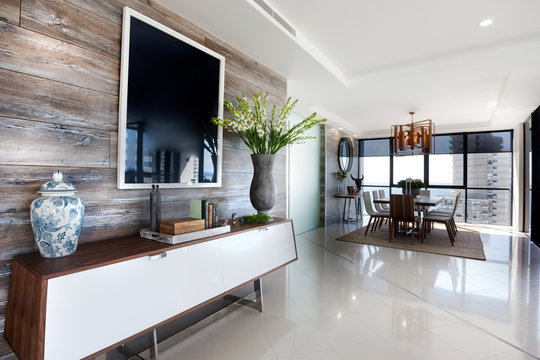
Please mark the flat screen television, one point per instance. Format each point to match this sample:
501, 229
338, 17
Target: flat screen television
170, 88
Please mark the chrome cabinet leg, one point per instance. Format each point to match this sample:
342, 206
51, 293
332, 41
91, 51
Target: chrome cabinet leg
255, 305
154, 349
259, 294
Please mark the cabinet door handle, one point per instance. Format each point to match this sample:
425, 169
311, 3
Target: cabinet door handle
158, 256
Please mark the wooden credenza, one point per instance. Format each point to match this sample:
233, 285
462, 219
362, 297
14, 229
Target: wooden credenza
113, 290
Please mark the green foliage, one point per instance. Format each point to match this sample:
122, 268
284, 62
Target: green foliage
415, 183
341, 175
261, 134
256, 219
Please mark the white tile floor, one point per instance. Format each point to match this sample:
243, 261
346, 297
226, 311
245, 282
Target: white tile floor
349, 301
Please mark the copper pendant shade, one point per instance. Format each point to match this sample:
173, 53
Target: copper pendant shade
415, 138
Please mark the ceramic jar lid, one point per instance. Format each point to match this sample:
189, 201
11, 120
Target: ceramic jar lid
57, 187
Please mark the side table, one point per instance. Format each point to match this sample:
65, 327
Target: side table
347, 205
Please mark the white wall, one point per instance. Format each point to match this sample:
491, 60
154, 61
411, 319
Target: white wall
518, 173
304, 174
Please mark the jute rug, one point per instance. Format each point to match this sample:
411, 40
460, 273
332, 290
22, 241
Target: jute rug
467, 243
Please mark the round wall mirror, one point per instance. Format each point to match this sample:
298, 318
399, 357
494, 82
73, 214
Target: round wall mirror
345, 154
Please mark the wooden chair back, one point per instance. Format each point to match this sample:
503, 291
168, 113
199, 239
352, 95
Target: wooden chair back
402, 207
456, 204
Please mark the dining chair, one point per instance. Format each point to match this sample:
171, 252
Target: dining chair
374, 215
425, 193
382, 195
401, 213
443, 217
378, 206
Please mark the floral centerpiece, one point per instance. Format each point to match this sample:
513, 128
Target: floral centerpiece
264, 135
411, 186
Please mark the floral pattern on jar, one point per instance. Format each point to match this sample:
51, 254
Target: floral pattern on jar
57, 218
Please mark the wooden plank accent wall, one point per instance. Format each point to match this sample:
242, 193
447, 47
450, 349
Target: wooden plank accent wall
10, 11
59, 79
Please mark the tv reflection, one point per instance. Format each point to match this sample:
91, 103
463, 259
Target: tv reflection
164, 151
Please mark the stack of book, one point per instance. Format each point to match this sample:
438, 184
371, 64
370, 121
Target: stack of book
205, 210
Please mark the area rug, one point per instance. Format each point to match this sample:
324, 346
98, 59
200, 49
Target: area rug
467, 243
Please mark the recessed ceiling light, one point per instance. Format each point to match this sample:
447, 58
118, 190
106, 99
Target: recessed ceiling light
340, 128
486, 23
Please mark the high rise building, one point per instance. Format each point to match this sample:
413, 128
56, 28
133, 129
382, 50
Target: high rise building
487, 173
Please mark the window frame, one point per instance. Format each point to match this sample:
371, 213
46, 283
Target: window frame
465, 187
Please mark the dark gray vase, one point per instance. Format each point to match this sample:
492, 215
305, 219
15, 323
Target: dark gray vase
262, 192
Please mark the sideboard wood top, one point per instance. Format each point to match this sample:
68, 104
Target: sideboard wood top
105, 252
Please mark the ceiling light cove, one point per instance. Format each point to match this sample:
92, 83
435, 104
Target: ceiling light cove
486, 23
284, 25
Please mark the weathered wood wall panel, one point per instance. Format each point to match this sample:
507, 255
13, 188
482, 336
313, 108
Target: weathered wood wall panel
16, 236
59, 76
34, 98
40, 143
237, 64
32, 53
64, 21
10, 11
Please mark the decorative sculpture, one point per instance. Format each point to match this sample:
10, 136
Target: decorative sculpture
358, 181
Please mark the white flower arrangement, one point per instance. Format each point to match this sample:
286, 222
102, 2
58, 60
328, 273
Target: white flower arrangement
261, 134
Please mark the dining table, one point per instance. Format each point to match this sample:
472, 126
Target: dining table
422, 202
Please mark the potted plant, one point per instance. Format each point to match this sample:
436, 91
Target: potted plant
341, 175
411, 186
265, 136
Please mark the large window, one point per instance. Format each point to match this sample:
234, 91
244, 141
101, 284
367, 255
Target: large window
489, 177
374, 155
408, 167
446, 169
376, 170
476, 165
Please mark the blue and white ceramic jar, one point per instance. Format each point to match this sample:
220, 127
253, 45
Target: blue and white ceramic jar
57, 218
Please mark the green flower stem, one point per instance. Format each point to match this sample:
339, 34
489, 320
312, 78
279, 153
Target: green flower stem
263, 135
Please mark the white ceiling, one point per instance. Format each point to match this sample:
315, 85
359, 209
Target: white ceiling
365, 64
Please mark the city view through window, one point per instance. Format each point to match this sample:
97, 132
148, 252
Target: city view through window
477, 165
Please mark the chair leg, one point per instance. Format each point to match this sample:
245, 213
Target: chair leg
454, 226
369, 223
412, 233
450, 234
390, 228
374, 225
381, 222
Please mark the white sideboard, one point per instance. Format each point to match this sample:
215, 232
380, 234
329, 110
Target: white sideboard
112, 290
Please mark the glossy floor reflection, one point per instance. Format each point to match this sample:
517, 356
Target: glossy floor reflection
351, 301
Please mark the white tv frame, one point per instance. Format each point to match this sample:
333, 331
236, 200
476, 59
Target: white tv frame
122, 111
